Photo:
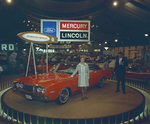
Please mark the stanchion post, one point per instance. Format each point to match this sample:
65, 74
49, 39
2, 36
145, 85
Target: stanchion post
68, 121
52, 121
129, 117
24, 121
30, 119
93, 121
37, 121
60, 121
18, 117
109, 120
122, 118
134, 117
1, 112
147, 111
7, 116
116, 119
77, 121
101, 120
12, 115
45, 120
85, 121
1, 86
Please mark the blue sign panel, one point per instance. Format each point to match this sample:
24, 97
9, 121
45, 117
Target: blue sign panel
49, 27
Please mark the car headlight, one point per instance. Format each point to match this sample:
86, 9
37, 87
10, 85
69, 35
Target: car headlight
21, 85
40, 90
18, 85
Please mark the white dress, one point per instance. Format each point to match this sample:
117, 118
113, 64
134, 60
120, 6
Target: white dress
83, 72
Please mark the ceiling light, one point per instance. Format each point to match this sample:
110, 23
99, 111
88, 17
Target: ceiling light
115, 3
92, 26
116, 40
105, 42
146, 35
106, 48
8, 1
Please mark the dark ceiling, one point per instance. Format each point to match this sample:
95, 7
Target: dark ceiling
128, 22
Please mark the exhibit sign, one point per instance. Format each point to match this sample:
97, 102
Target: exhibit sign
59, 46
67, 30
74, 30
37, 37
7, 47
49, 27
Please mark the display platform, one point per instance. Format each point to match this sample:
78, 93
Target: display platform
102, 102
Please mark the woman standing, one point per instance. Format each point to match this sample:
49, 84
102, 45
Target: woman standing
83, 79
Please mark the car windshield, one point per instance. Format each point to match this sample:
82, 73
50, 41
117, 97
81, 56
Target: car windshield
69, 69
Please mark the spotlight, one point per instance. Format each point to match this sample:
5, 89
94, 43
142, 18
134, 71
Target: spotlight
8, 1
115, 3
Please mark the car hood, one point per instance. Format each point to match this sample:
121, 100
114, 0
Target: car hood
43, 79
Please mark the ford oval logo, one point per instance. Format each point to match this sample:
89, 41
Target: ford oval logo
49, 30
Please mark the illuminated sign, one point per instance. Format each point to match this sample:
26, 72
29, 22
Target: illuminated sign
7, 47
74, 35
67, 30
37, 37
74, 25
49, 27
59, 46
72, 30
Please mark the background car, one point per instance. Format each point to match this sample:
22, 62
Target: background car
138, 73
111, 63
57, 84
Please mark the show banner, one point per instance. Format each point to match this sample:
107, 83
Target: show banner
37, 37
67, 30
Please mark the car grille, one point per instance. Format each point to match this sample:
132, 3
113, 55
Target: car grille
28, 88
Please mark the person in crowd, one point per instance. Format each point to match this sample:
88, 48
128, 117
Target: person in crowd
41, 62
106, 65
120, 65
83, 79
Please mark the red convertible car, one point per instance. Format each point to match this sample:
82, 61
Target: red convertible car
138, 73
57, 84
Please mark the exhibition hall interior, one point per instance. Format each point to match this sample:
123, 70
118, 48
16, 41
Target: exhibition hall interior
74, 61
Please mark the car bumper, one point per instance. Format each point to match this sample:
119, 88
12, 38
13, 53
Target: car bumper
32, 96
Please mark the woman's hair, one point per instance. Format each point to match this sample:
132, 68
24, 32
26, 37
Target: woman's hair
82, 56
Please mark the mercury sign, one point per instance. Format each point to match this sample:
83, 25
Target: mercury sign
67, 30
7, 47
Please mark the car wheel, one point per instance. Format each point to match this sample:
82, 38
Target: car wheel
101, 82
63, 96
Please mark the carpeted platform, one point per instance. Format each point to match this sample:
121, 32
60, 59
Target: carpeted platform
102, 102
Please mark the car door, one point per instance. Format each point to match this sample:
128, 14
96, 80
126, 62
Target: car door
93, 76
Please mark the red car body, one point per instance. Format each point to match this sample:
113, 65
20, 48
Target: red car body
57, 85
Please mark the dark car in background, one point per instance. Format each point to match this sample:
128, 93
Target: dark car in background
138, 73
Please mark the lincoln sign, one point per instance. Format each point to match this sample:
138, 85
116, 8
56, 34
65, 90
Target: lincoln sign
68, 30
